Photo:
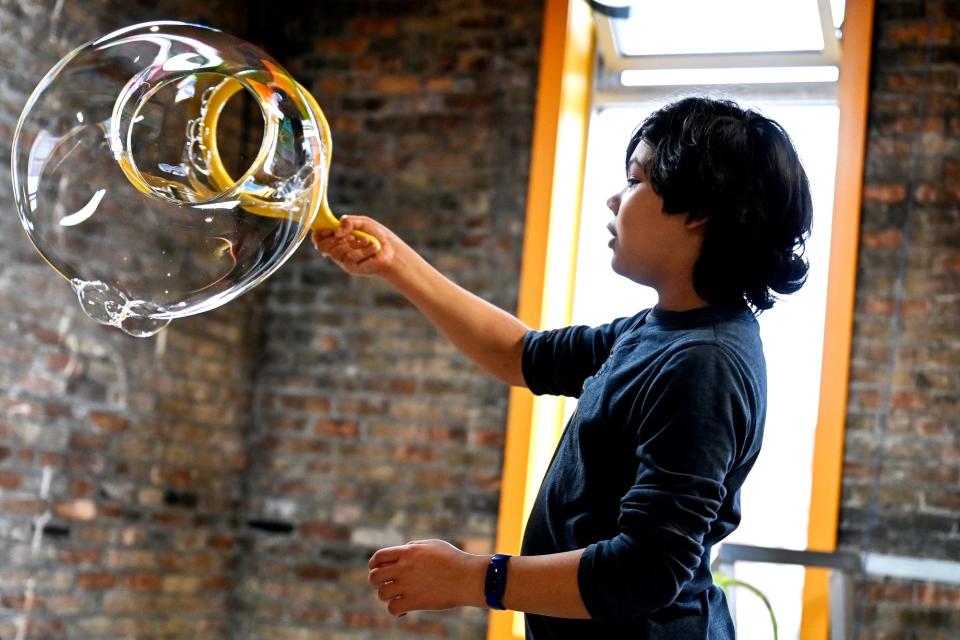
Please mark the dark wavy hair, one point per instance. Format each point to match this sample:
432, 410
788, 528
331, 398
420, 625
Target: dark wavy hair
738, 170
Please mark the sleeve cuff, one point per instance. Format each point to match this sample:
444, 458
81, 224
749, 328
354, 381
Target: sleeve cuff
585, 583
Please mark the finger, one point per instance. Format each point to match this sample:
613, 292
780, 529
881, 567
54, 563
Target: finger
399, 606
319, 243
357, 242
359, 223
386, 555
364, 224
382, 574
356, 255
389, 591
368, 254
326, 244
339, 252
345, 226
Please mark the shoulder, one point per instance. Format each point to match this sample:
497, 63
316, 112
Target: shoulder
694, 365
700, 358
721, 340
600, 335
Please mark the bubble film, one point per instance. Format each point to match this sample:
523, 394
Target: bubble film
165, 169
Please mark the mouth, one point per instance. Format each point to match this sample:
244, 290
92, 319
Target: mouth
613, 233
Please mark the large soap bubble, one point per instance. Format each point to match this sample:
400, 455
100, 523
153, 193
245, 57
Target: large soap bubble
165, 169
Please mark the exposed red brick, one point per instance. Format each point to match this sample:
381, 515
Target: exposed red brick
396, 84
141, 581
944, 498
216, 583
324, 531
221, 542
50, 459
922, 33
879, 306
21, 506
882, 238
904, 81
9, 479
917, 308
81, 487
339, 428
87, 441
80, 556
317, 572
942, 596
374, 26
39, 333
365, 620
884, 192
414, 455
108, 422
95, 581
317, 615
44, 628
888, 592
343, 46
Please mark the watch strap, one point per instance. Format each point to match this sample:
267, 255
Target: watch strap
495, 581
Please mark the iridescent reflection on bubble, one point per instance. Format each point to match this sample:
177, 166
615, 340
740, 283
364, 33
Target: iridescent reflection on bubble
165, 169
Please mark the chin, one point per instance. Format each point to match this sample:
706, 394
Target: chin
614, 266
624, 271
620, 271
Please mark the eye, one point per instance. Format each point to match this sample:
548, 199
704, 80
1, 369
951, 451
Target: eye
632, 182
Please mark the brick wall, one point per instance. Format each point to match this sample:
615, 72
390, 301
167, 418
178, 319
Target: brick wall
901, 488
121, 459
372, 430
231, 476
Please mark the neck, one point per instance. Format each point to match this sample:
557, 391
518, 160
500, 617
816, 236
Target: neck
683, 299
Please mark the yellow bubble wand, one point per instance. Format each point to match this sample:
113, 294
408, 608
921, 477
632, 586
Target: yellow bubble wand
221, 178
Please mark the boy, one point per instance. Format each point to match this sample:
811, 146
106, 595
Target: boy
646, 478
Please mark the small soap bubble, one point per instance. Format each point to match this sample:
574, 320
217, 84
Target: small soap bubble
99, 300
111, 306
165, 169
143, 319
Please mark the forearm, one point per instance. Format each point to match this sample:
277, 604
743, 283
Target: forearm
433, 574
546, 585
488, 335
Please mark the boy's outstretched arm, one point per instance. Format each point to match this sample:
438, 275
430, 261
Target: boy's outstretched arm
488, 335
433, 574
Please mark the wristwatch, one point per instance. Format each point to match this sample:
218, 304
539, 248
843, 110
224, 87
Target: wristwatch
495, 582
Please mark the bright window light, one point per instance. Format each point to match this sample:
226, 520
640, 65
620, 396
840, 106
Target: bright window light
837, 8
709, 26
739, 75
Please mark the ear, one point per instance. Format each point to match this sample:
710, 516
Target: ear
695, 224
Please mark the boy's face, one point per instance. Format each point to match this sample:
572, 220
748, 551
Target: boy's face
649, 246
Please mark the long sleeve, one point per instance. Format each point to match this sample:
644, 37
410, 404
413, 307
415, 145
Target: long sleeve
690, 427
557, 361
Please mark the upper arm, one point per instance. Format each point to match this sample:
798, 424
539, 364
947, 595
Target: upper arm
558, 361
694, 415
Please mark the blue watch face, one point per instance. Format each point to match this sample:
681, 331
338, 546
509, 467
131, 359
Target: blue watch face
495, 582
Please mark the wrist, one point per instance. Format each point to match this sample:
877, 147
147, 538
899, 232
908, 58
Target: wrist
478, 574
400, 271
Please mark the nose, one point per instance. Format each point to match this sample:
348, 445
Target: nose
613, 203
